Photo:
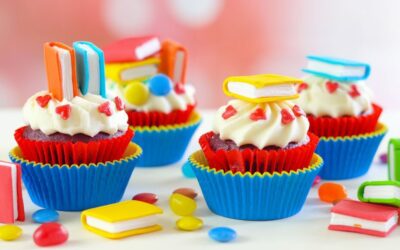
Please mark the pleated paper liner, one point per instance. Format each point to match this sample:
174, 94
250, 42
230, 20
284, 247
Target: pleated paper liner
156, 118
351, 156
163, 145
254, 196
257, 160
69, 153
345, 125
77, 187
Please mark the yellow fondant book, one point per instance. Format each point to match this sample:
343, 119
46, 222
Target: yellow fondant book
125, 72
122, 219
261, 88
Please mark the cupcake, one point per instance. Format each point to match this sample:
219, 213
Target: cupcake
149, 76
258, 163
339, 107
76, 149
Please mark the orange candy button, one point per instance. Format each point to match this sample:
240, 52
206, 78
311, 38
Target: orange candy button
332, 192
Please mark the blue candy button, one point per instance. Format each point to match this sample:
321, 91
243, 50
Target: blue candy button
160, 85
45, 215
222, 234
187, 171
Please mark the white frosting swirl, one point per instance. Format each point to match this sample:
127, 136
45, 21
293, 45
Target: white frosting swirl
261, 133
164, 104
318, 101
84, 118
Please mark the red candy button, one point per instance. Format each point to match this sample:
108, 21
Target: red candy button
105, 108
229, 111
287, 117
120, 105
258, 114
179, 88
43, 100
50, 234
297, 111
188, 192
301, 87
354, 91
332, 86
64, 111
316, 181
146, 197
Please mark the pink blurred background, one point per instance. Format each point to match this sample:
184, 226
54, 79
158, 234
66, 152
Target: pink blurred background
223, 37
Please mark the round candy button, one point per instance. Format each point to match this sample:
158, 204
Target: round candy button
332, 192
160, 85
45, 215
187, 171
136, 93
188, 192
10, 232
182, 205
146, 197
50, 234
222, 234
189, 223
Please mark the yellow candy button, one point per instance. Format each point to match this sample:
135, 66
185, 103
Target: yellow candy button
182, 205
10, 232
189, 223
136, 93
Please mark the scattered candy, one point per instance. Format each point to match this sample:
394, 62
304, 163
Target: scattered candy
10, 232
316, 181
297, 111
146, 197
136, 93
187, 171
301, 87
354, 91
222, 234
105, 108
119, 104
287, 117
64, 111
332, 86
229, 111
331, 192
43, 100
383, 158
258, 114
160, 85
182, 205
188, 192
50, 234
45, 215
179, 88
189, 223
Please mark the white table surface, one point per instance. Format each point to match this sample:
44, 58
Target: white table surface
306, 230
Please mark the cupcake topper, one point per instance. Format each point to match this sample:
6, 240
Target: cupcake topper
173, 61
261, 88
337, 69
90, 67
60, 67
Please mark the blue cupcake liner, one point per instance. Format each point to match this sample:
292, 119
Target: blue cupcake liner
77, 187
257, 196
351, 156
164, 145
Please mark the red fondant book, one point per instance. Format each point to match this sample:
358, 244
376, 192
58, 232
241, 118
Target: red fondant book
11, 203
366, 218
132, 49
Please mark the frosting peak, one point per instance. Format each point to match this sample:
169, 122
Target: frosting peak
261, 125
89, 115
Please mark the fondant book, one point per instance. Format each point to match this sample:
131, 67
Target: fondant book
12, 205
173, 61
366, 218
383, 192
